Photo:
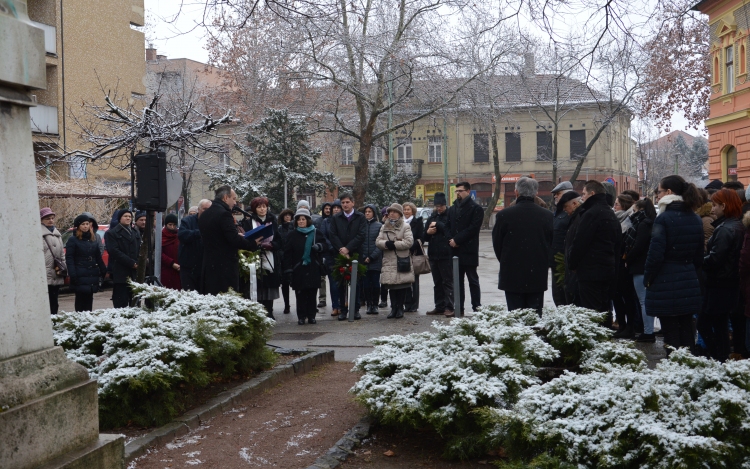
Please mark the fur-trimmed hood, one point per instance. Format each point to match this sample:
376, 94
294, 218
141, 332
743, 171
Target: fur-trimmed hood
746, 220
705, 211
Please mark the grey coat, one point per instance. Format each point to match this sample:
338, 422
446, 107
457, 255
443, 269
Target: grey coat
52, 240
400, 234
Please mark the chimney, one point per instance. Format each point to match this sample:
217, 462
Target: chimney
150, 53
529, 68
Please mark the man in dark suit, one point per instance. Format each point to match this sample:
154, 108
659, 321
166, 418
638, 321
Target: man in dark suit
191, 249
221, 241
466, 218
522, 239
347, 235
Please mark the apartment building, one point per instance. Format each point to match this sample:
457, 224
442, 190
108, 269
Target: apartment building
91, 46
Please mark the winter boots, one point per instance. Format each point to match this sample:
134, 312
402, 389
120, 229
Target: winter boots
371, 297
397, 303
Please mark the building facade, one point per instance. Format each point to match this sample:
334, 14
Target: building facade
729, 119
92, 47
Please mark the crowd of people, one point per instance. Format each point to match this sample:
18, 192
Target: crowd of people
685, 261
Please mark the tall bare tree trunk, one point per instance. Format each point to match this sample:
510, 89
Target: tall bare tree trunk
496, 162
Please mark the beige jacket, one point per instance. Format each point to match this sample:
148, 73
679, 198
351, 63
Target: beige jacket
400, 234
55, 242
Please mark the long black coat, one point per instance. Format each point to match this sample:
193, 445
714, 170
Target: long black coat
674, 257
303, 276
190, 253
571, 279
368, 246
417, 230
635, 256
438, 248
721, 263
85, 264
522, 239
466, 218
221, 262
123, 245
560, 225
347, 233
596, 248
268, 279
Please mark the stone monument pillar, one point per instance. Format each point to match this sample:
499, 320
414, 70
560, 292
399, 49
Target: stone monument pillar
48, 405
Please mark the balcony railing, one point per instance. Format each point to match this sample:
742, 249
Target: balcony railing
411, 167
44, 119
50, 37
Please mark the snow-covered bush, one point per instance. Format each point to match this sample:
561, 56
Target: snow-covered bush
689, 412
148, 361
606, 355
573, 331
439, 379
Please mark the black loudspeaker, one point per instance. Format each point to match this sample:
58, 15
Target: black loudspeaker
151, 181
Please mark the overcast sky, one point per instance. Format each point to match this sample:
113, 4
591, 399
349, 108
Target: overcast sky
183, 38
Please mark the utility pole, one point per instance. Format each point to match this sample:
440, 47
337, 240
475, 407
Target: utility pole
390, 125
445, 154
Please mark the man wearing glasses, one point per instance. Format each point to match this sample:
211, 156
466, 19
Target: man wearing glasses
466, 217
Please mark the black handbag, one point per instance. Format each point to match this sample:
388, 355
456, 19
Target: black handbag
403, 264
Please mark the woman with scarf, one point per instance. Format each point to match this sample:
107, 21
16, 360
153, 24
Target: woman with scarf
674, 259
625, 299
303, 264
721, 267
395, 240
84, 261
269, 279
170, 245
637, 240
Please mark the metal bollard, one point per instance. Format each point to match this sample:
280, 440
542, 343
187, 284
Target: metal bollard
353, 291
456, 289
253, 284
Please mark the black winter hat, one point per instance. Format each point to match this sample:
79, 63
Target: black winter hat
123, 212
440, 199
567, 197
82, 218
139, 214
171, 218
715, 184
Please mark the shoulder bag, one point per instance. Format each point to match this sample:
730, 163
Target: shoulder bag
421, 261
61, 269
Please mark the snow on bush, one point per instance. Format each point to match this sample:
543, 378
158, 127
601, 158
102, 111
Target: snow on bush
606, 355
573, 331
689, 412
147, 360
439, 379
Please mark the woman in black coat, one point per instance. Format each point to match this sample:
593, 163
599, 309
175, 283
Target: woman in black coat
411, 304
123, 244
637, 240
674, 259
721, 267
303, 264
84, 260
286, 226
269, 279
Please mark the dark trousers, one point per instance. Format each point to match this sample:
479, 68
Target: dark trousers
54, 292
411, 303
190, 278
307, 302
322, 290
334, 290
678, 330
558, 292
713, 321
383, 293
739, 327
285, 291
121, 295
397, 298
84, 302
442, 277
594, 295
344, 298
525, 300
625, 299
470, 272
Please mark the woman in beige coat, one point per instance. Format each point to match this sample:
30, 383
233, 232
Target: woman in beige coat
395, 240
53, 247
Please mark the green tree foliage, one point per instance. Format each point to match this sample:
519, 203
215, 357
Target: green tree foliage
695, 155
277, 150
386, 188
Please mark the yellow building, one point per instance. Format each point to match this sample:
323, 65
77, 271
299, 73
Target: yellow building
460, 145
90, 45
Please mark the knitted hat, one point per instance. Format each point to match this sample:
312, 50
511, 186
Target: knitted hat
302, 212
303, 204
45, 212
440, 199
336, 203
171, 218
139, 214
82, 218
567, 197
123, 212
396, 208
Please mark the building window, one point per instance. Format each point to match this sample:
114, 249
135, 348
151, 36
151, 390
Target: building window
544, 146
77, 167
404, 150
435, 150
716, 70
347, 154
729, 56
743, 59
481, 148
577, 144
376, 155
512, 147
730, 155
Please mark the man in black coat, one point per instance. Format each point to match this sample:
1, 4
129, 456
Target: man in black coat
190, 253
595, 247
571, 204
560, 225
221, 241
347, 235
466, 218
123, 243
522, 239
437, 230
